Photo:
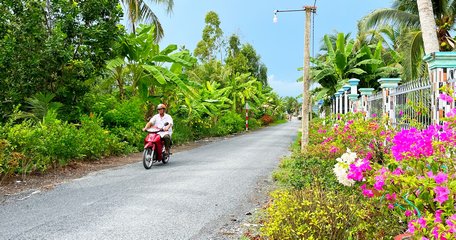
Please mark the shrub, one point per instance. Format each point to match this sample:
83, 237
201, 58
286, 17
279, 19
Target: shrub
96, 141
182, 132
315, 214
229, 123
125, 114
266, 120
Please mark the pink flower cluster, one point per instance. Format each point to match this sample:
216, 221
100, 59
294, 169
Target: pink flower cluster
357, 168
446, 98
412, 143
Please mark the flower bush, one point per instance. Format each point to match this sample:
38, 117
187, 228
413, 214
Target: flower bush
411, 172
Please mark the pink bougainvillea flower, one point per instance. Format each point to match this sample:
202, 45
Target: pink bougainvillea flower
355, 173
367, 192
451, 222
446, 98
391, 197
398, 171
451, 113
411, 226
334, 149
422, 222
441, 194
379, 183
390, 206
435, 232
408, 213
401, 113
412, 143
438, 216
441, 178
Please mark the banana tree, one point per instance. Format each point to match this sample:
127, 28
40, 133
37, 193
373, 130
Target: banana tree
209, 102
242, 88
375, 66
147, 65
333, 69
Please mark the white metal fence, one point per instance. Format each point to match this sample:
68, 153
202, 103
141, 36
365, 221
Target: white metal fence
411, 103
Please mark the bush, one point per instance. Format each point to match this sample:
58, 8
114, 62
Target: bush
182, 132
29, 147
315, 214
97, 142
125, 114
266, 120
229, 123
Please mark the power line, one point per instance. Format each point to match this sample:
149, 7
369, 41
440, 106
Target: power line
313, 30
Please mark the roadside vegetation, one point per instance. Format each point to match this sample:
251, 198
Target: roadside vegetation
88, 87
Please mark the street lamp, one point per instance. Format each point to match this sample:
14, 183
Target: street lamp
305, 79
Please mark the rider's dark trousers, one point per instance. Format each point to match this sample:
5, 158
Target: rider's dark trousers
167, 139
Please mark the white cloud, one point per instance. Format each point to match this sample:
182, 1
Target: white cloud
285, 88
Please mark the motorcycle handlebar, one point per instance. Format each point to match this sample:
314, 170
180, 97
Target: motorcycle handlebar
155, 130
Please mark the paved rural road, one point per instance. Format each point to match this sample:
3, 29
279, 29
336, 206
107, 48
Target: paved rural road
191, 197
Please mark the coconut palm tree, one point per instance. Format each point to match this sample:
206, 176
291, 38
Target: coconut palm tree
405, 18
428, 25
140, 10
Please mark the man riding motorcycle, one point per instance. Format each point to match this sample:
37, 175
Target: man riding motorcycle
158, 121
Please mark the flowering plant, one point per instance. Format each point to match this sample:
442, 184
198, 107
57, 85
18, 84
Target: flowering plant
415, 180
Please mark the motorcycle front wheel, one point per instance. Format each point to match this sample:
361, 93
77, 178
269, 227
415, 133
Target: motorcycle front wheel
148, 158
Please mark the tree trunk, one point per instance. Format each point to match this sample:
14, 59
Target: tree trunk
428, 26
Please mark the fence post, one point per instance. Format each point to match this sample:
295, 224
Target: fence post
337, 102
341, 99
365, 93
387, 84
442, 73
353, 96
346, 88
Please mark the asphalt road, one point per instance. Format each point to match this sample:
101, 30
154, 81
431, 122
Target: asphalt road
191, 197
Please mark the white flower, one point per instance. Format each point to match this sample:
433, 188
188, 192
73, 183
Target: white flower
342, 166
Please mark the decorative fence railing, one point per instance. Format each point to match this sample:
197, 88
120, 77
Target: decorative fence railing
419, 103
407, 105
412, 104
375, 103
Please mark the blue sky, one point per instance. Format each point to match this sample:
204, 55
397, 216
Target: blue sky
281, 44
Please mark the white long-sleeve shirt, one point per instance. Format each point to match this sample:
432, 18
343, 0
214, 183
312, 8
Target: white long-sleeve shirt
159, 122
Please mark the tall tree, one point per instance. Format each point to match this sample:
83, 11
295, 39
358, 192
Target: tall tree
405, 17
140, 11
70, 43
428, 26
211, 42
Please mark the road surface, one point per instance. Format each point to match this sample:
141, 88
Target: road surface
191, 197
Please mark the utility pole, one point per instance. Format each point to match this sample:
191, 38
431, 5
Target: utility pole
305, 78
305, 93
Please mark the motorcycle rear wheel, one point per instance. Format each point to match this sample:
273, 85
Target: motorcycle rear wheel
165, 158
148, 158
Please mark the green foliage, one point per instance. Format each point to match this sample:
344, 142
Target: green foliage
125, 114
211, 41
301, 172
312, 213
70, 44
182, 132
229, 123
29, 147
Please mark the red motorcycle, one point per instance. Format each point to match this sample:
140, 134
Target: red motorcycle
154, 148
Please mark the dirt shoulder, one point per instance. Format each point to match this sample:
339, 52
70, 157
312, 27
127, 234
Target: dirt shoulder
48, 180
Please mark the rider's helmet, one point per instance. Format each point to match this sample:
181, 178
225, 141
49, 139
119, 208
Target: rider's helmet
161, 106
